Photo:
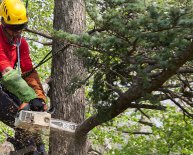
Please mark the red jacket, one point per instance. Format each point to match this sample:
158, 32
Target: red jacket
8, 54
8, 58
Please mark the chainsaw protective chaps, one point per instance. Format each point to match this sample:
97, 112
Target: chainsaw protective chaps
8, 111
18, 86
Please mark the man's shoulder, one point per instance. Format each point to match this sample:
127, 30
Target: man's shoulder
23, 39
23, 42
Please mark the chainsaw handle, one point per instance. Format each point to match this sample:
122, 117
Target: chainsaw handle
51, 110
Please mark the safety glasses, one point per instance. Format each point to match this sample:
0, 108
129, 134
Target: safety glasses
16, 28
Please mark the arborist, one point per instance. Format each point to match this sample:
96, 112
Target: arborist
27, 93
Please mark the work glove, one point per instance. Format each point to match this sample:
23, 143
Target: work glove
38, 104
35, 104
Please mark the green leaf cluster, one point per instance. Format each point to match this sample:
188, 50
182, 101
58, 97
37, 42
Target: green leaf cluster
171, 134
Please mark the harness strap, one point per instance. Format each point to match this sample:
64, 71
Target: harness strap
26, 5
18, 43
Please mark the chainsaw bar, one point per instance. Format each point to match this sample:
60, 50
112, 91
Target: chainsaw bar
63, 125
38, 121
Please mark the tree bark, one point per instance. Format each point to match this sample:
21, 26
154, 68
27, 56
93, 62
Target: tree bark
69, 16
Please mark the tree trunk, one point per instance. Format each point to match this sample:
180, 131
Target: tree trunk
69, 16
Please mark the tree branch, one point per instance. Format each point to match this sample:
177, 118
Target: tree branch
138, 133
38, 33
146, 123
97, 119
144, 113
95, 30
135, 92
182, 108
43, 43
185, 70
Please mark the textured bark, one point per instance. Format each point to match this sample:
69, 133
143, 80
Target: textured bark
68, 16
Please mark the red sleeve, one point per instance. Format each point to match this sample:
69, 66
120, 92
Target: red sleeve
4, 61
26, 63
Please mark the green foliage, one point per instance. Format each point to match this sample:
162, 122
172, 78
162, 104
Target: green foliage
130, 40
37, 54
4, 131
40, 15
170, 135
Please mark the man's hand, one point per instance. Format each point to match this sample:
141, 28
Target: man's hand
38, 104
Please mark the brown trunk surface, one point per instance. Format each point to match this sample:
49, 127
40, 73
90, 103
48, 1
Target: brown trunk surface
69, 16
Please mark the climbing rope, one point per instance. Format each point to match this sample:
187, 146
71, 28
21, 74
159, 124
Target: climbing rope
18, 43
45, 59
26, 4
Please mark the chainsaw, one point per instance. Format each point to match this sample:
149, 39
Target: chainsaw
35, 121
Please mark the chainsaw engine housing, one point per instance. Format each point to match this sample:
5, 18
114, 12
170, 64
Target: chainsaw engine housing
33, 121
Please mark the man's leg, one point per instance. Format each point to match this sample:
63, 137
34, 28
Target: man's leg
8, 112
27, 139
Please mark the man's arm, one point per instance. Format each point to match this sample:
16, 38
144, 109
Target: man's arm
34, 82
19, 87
5, 64
26, 65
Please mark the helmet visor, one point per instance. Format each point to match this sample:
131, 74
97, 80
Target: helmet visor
16, 27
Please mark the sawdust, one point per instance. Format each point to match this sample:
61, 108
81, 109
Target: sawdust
5, 148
